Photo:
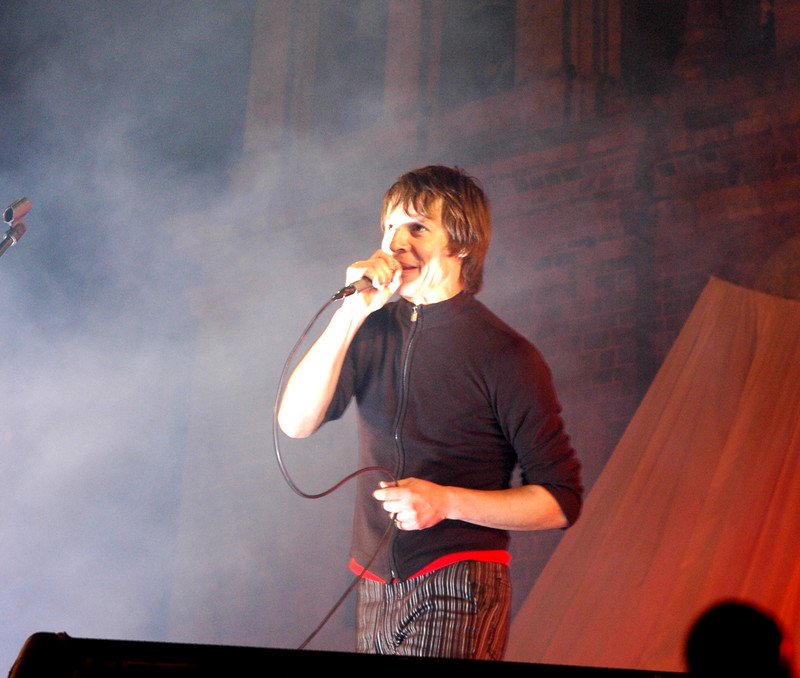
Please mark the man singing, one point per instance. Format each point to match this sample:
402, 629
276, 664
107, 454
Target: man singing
450, 399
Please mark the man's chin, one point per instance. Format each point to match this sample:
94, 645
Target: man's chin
408, 283
407, 291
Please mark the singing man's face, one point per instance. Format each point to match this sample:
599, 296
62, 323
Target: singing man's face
431, 272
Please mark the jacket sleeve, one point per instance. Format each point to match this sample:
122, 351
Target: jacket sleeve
530, 415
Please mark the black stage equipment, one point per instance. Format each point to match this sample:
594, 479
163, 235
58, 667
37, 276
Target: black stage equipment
57, 655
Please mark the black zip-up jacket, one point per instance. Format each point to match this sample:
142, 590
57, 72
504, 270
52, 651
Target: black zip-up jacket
449, 393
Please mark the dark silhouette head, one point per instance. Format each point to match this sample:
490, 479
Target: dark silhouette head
734, 638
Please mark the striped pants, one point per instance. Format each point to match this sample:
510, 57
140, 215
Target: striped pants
460, 611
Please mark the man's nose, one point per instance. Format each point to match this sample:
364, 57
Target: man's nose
399, 240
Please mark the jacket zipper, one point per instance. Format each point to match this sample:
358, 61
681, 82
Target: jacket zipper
416, 319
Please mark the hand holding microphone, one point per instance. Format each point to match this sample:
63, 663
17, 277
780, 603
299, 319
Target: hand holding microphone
376, 278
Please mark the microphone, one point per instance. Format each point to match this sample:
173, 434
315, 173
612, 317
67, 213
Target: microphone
17, 210
13, 215
353, 288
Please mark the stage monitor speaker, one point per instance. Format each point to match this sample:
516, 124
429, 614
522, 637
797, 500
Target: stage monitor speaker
57, 655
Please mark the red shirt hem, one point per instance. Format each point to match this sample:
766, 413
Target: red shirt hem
499, 556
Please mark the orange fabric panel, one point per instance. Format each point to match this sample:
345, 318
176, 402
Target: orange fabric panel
700, 500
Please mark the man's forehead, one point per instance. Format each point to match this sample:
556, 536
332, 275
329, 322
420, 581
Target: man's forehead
411, 211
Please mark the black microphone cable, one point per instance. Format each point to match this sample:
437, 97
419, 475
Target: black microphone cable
319, 495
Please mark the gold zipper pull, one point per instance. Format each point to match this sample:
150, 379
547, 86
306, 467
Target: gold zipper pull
414, 313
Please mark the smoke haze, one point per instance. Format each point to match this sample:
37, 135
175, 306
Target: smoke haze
115, 118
